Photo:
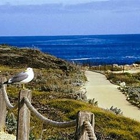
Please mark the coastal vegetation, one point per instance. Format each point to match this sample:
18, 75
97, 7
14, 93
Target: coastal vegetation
56, 94
105, 68
131, 88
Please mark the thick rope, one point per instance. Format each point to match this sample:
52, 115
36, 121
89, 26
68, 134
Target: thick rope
7, 101
46, 120
90, 131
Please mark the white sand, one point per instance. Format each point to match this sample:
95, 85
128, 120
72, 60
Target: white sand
5, 136
108, 95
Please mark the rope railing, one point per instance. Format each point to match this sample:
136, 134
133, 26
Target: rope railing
5, 96
84, 122
85, 126
46, 120
89, 129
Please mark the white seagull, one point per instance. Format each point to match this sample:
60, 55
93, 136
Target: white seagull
22, 78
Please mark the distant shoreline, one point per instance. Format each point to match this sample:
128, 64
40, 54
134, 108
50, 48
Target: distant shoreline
87, 62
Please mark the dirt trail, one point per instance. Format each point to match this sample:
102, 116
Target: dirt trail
108, 95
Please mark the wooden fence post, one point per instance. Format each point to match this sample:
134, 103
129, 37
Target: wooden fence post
2, 106
23, 116
81, 134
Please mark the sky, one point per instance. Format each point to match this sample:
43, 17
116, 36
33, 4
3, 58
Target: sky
69, 17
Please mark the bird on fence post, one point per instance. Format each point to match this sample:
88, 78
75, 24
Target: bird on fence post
21, 78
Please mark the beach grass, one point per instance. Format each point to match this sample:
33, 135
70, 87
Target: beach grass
131, 79
106, 123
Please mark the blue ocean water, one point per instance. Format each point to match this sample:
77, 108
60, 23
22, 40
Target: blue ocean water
92, 49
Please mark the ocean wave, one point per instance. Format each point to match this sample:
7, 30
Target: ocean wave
132, 57
90, 58
77, 59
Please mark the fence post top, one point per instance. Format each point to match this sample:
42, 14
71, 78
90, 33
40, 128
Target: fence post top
2, 79
86, 115
25, 90
85, 112
25, 93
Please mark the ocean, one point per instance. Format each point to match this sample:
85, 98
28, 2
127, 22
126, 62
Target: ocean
91, 49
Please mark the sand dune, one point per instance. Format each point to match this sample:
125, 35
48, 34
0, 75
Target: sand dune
108, 95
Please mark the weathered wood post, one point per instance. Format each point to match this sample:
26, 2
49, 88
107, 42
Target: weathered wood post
2, 106
23, 116
81, 134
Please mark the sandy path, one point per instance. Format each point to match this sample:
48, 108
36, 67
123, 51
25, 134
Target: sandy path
108, 95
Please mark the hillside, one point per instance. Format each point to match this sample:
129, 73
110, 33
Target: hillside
55, 95
12, 56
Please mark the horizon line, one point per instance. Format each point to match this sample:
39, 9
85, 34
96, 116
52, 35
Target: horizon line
68, 35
